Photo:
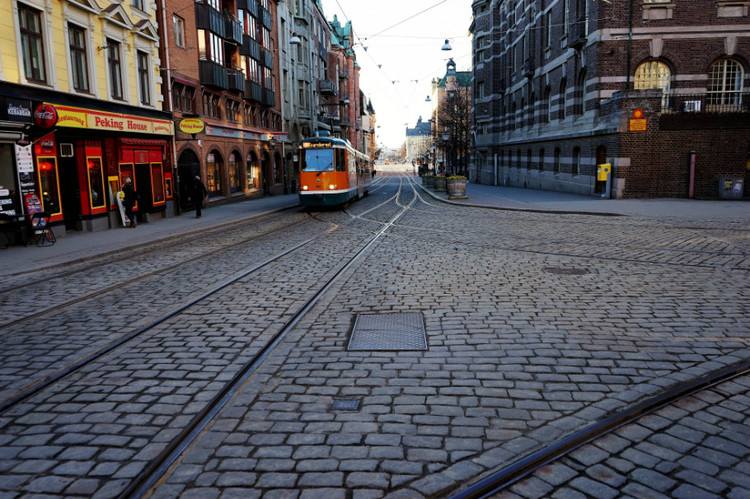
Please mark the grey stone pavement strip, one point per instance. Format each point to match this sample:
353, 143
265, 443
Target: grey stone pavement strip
520, 360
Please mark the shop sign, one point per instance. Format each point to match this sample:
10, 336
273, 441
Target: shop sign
75, 117
17, 110
191, 125
638, 125
24, 159
45, 115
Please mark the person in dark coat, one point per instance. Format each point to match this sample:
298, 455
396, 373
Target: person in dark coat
129, 201
197, 194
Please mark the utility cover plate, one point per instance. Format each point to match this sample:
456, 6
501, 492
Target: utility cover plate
381, 332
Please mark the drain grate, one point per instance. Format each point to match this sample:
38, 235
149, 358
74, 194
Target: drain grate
345, 405
388, 332
565, 271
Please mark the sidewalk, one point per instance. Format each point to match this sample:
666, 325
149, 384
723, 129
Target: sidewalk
514, 198
76, 246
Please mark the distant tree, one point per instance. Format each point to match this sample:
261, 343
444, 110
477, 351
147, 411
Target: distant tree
455, 121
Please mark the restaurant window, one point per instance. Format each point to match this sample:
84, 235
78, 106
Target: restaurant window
234, 173
213, 173
32, 44
114, 66
253, 172
144, 85
96, 183
78, 58
48, 181
157, 183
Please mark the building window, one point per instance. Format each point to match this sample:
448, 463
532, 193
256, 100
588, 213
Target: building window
212, 105
563, 99
233, 110
182, 97
541, 160
178, 24
234, 173
138, 4
556, 165
529, 157
32, 44
547, 111
576, 167
114, 67
78, 58
652, 75
213, 173
725, 86
548, 30
579, 96
144, 85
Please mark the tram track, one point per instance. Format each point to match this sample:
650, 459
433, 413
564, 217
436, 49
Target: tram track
502, 479
97, 293
22, 402
40, 384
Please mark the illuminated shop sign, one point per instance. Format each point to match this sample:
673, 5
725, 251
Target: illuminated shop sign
75, 117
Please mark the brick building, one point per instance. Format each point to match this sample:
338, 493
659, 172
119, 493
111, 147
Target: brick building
220, 68
657, 89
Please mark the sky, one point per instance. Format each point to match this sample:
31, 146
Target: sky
398, 46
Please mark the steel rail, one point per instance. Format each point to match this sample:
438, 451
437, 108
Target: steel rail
161, 463
525, 466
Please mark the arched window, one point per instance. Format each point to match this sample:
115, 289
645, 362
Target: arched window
541, 159
563, 98
651, 75
576, 167
213, 173
234, 172
556, 166
579, 97
725, 85
547, 111
253, 171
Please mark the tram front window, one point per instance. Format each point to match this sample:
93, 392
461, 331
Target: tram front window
318, 160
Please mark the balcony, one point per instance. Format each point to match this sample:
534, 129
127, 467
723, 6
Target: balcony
232, 30
208, 18
577, 34
213, 74
266, 18
249, 5
266, 58
253, 91
236, 80
707, 103
269, 97
250, 47
327, 87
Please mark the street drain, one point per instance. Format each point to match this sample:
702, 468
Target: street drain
565, 271
345, 405
381, 332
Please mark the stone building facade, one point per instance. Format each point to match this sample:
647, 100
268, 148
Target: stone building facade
656, 89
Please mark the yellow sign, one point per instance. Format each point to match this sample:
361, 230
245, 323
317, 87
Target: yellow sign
603, 170
191, 125
76, 117
638, 125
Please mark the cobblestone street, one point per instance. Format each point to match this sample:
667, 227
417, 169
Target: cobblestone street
537, 325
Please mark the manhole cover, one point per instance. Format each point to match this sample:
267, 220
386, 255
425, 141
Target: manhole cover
565, 271
388, 332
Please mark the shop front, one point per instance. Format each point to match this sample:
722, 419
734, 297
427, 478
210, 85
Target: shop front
82, 157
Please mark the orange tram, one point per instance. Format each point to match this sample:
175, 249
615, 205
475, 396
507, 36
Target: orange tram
332, 172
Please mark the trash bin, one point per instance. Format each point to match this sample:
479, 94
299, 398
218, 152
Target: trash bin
731, 188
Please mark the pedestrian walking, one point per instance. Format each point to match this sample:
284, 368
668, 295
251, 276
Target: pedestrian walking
131, 196
197, 194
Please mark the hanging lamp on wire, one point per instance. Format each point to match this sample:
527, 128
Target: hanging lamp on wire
446, 45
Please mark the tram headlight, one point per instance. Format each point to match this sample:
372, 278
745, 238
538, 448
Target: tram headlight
304, 187
332, 187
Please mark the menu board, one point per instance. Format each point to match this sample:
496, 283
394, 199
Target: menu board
6, 202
